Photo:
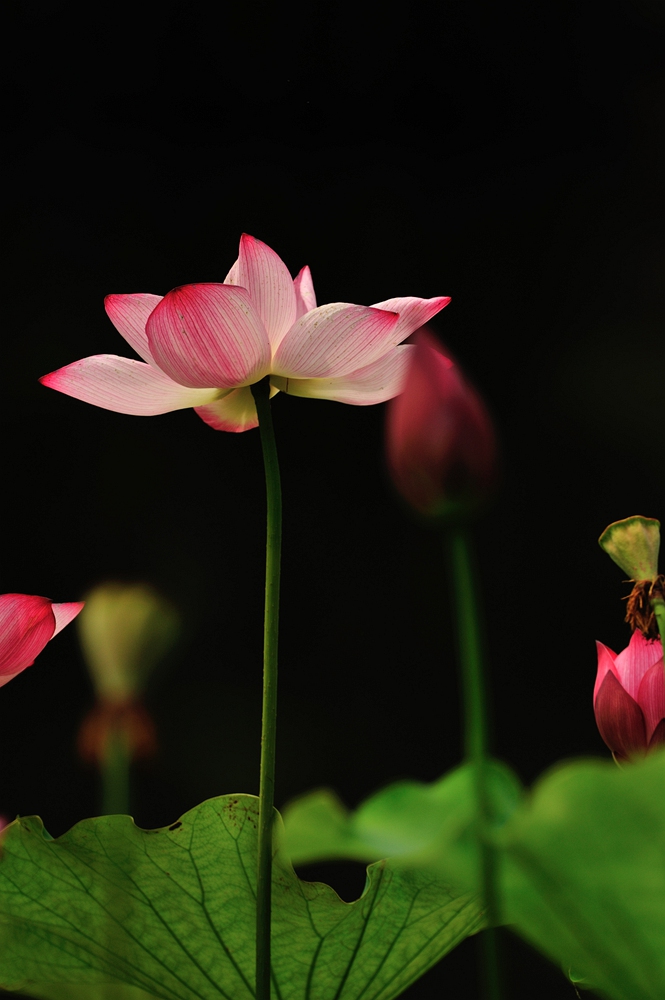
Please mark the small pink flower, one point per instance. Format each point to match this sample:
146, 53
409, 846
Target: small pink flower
26, 624
205, 345
439, 439
629, 697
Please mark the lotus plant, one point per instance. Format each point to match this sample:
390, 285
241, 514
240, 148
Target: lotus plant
204, 345
27, 624
629, 697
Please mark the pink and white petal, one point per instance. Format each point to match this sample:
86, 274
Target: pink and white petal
335, 339
619, 719
232, 277
27, 623
270, 285
633, 662
129, 315
413, 312
125, 385
651, 697
209, 334
304, 289
606, 660
235, 412
65, 613
375, 383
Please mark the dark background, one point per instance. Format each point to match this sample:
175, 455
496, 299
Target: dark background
509, 155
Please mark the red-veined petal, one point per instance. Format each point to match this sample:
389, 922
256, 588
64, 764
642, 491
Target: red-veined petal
413, 312
375, 383
619, 719
27, 623
651, 697
633, 662
129, 314
210, 334
606, 660
304, 289
335, 339
125, 385
270, 286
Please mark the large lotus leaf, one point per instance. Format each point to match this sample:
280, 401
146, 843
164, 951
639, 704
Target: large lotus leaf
112, 912
581, 861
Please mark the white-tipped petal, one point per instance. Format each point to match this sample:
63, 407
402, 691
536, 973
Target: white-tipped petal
304, 289
375, 383
125, 386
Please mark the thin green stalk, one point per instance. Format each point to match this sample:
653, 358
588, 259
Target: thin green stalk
658, 606
261, 393
475, 736
115, 775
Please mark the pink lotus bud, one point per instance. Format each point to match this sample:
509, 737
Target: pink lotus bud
440, 442
27, 623
629, 697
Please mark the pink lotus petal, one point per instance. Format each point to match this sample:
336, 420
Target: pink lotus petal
129, 315
619, 719
375, 383
232, 277
658, 736
413, 312
651, 696
606, 660
633, 662
334, 340
65, 613
125, 386
234, 412
304, 289
209, 335
267, 279
26, 625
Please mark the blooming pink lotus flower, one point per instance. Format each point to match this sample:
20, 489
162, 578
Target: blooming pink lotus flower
629, 697
26, 624
439, 438
205, 345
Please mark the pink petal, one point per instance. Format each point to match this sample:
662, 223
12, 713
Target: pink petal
606, 660
375, 383
129, 315
65, 613
232, 277
234, 412
658, 736
619, 719
651, 696
125, 386
304, 289
26, 625
413, 312
267, 279
334, 340
209, 335
633, 662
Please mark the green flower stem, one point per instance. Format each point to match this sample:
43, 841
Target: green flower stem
475, 734
261, 393
658, 606
115, 775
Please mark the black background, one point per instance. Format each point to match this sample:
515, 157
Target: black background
509, 155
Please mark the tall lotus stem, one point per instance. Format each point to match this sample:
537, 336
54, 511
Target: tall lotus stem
475, 735
261, 394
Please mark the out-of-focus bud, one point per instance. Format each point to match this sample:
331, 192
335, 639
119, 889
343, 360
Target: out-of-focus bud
440, 443
128, 630
633, 544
